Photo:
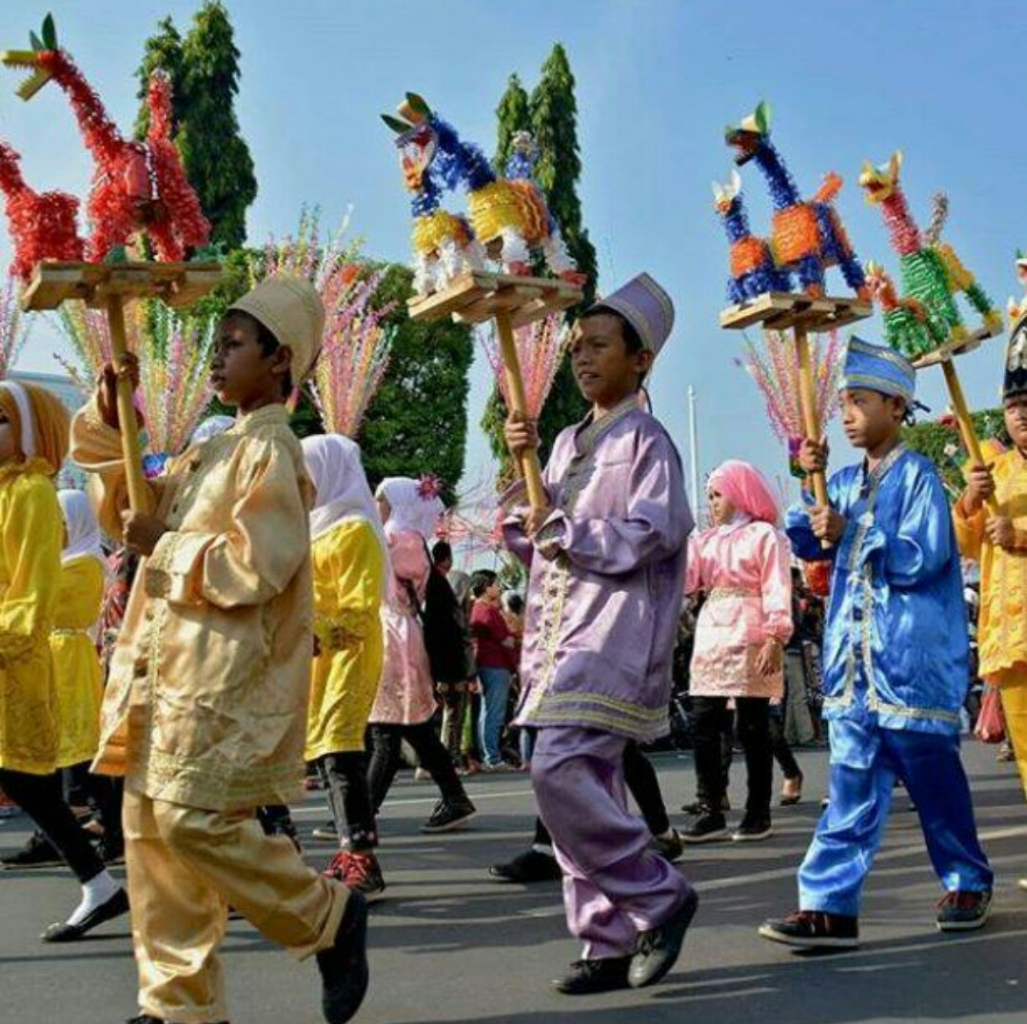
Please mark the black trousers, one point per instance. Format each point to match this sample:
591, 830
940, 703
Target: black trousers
782, 752
754, 733
432, 755
643, 784
42, 799
104, 793
727, 755
344, 777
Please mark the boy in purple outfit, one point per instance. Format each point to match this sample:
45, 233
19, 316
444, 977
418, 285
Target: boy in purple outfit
607, 560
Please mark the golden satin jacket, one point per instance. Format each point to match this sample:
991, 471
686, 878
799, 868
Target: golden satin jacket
206, 702
1002, 623
31, 531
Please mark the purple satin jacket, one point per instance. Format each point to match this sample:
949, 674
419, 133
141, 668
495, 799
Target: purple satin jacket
603, 605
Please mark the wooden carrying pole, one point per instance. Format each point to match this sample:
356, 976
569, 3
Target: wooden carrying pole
528, 462
966, 427
808, 402
138, 492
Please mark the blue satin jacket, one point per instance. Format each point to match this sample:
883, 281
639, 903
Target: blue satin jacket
896, 642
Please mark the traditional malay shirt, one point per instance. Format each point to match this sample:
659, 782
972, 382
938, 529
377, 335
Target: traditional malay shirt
602, 614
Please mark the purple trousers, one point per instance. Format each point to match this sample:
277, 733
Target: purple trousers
614, 886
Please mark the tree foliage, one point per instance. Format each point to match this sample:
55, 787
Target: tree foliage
204, 71
940, 442
417, 423
513, 115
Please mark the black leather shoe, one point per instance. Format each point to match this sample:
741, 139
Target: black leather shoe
343, 967
114, 907
530, 866
659, 948
586, 977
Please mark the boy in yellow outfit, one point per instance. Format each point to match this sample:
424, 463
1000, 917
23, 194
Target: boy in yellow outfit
999, 543
205, 708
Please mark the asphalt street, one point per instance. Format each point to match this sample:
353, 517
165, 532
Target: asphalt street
448, 945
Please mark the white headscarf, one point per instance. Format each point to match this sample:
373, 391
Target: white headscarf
211, 427
82, 527
410, 509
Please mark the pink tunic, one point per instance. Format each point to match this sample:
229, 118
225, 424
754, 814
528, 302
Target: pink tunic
746, 577
406, 694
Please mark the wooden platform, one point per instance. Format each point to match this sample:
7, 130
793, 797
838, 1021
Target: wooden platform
177, 284
952, 349
777, 311
478, 296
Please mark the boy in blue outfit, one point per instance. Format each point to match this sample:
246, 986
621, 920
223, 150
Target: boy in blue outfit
895, 664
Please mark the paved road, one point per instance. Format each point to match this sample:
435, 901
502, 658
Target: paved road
449, 946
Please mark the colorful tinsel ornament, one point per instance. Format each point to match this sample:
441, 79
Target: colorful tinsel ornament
540, 349
775, 368
138, 186
14, 329
474, 523
356, 342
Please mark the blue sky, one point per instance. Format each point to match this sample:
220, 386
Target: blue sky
657, 81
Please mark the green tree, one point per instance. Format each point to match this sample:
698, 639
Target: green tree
204, 70
552, 120
940, 442
162, 50
513, 115
417, 423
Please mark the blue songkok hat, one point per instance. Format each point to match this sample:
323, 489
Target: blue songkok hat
876, 368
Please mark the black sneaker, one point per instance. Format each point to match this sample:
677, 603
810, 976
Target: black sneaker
38, 852
449, 815
752, 830
697, 808
813, 929
669, 847
530, 866
708, 827
659, 948
343, 967
964, 911
587, 977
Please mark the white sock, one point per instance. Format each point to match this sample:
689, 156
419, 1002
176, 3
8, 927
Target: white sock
95, 893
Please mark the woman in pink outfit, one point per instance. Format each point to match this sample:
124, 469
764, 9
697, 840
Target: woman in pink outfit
742, 567
405, 704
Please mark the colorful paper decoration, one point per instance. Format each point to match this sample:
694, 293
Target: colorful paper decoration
356, 342
14, 328
175, 355
753, 271
926, 317
540, 350
507, 216
138, 186
774, 367
807, 236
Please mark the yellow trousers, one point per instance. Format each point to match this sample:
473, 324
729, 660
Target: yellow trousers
1012, 686
185, 866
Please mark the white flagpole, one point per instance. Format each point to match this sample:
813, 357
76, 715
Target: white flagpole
693, 445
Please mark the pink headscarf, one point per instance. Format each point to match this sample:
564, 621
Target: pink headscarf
747, 489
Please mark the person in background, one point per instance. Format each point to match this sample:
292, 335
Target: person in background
405, 703
741, 564
494, 654
33, 444
349, 553
456, 696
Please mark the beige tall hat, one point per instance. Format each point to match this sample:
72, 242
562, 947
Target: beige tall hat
291, 309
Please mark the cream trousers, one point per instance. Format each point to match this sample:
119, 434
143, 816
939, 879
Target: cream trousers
185, 866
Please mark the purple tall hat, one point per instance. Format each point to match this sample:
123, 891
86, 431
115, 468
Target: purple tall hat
646, 306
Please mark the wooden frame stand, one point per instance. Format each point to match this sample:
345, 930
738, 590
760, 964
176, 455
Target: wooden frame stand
109, 287
779, 311
512, 302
